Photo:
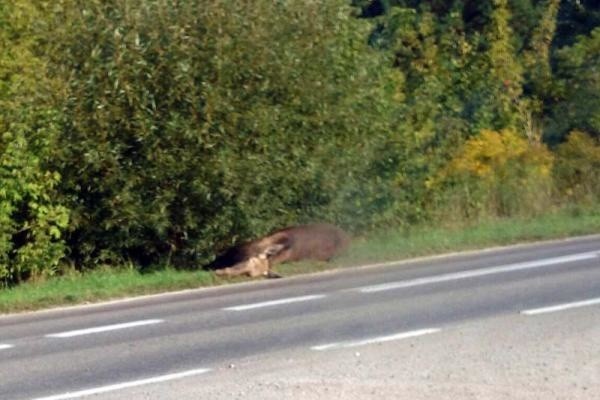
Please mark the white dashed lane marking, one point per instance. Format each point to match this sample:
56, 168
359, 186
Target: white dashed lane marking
273, 303
479, 272
124, 385
562, 307
105, 328
374, 340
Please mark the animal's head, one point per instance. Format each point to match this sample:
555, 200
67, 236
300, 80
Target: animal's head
260, 264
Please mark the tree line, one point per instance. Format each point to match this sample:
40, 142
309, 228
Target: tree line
162, 131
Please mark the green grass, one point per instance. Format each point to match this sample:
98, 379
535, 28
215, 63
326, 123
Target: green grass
422, 241
426, 241
104, 284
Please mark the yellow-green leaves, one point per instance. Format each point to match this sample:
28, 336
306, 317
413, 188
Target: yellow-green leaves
32, 218
498, 174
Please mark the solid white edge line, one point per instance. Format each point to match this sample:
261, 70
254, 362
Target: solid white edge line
125, 385
379, 339
478, 272
272, 303
6, 346
561, 307
105, 328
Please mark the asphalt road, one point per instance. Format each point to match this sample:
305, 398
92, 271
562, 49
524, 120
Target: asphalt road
149, 347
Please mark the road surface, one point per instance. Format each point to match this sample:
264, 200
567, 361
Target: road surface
520, 322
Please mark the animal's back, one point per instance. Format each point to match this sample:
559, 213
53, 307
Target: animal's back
313, 241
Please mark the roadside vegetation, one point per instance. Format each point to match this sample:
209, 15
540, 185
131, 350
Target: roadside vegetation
153, 134
109, 282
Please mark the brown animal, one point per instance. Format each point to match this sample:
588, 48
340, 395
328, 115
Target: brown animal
253, 267
305, 242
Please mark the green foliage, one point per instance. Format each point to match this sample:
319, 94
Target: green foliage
576, 18
536, 57
162, 131
430, 57
576, 103
502, 69
577, 169
192, 124
32, 219
497, 174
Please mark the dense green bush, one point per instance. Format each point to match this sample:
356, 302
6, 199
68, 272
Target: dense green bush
577, 169
32, 222
165, 130
576, 98
191, 124
32, 219
496, 174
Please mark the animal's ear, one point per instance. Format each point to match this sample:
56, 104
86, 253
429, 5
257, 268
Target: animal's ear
274, 249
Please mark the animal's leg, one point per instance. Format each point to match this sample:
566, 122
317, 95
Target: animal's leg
236, 270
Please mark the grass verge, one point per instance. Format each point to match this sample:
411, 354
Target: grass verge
105, 284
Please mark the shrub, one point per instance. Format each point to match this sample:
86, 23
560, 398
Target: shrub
496, 174
32, 217
194, 124
577, 168
32, 221
575, 104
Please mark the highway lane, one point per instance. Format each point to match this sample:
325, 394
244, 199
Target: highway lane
195, 332
547, 356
